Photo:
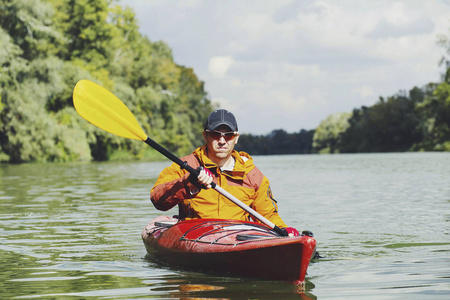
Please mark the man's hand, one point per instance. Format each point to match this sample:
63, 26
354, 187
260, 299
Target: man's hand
204, 179
292, 231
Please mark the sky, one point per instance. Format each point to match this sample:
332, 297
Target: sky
289, 64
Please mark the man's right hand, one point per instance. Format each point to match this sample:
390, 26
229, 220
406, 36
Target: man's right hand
204, 179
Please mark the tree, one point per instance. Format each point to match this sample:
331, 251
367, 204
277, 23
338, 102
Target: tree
327, 136
29, 25
389, 125
434, 113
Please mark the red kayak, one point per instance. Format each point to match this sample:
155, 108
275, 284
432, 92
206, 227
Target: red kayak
229, 247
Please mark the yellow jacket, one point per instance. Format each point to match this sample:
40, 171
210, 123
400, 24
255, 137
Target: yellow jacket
246, 182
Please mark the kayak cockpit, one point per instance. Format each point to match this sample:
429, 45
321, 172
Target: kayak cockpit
227, 232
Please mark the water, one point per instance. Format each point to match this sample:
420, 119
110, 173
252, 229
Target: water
72, 231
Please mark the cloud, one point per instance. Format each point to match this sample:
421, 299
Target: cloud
218, 66
388, 29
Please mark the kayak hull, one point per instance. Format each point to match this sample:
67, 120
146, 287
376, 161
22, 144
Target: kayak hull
229, 247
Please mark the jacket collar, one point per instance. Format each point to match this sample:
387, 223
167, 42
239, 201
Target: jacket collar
241, 167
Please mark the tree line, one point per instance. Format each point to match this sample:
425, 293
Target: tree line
48, 45
418, 120
277, 142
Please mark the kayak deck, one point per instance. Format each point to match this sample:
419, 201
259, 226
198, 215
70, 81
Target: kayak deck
228, 247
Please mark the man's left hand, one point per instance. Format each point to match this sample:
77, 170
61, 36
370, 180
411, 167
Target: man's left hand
292, 231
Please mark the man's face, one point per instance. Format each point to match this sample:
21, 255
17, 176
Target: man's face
220, 147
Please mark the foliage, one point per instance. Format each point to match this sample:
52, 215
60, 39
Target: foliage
328, 134
48, 45
419, 121
434, 112
390, 125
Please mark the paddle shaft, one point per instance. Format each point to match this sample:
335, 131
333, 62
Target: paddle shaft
219, 189
170, 155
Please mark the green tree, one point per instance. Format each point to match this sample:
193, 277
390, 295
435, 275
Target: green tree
389, 125
29, 25
327, 136
434, 113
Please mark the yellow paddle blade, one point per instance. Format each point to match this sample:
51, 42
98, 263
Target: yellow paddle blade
102, 108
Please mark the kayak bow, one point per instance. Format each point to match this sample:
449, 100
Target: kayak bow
229, 247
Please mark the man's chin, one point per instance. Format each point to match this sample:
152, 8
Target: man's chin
222, 154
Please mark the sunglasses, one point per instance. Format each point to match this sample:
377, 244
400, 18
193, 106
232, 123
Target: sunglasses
228, 136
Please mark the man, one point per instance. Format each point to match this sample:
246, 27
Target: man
217, 161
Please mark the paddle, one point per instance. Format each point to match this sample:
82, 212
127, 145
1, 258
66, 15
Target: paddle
100, 107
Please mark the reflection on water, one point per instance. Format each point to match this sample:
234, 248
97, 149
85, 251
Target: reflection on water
229, 288
381, 222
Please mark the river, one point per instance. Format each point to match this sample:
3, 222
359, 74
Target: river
381, 221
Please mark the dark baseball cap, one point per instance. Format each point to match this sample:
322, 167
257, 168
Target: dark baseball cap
221, 117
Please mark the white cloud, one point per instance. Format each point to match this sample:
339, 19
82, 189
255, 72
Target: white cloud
397, 13
219, 65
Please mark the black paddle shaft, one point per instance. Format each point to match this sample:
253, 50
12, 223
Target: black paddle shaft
171, 156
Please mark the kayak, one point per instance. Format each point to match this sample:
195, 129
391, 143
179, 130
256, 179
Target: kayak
229, 247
